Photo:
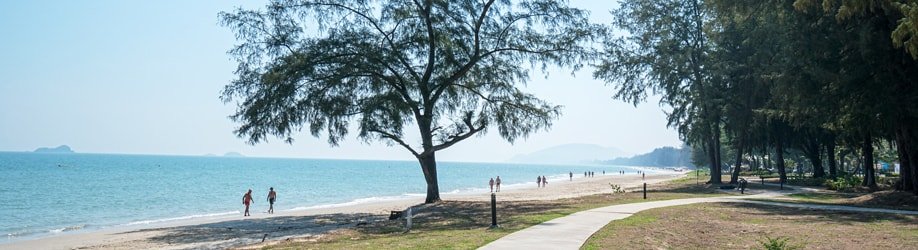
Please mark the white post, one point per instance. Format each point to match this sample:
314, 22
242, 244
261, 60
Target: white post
408, 219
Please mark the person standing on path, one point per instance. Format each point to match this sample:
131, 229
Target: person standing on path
247, 200
491, 183
498, 183
271, 197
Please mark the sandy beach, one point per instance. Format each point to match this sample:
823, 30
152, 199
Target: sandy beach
235, 232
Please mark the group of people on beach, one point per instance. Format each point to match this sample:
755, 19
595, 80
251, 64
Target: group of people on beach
248, 201
541, 181
494, 182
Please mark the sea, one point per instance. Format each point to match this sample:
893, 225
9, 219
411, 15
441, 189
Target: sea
45, 194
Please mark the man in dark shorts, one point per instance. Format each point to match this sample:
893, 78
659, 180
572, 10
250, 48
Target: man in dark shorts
271, 197
247, 200
498, 183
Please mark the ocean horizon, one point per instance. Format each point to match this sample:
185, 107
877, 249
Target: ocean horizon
49, 194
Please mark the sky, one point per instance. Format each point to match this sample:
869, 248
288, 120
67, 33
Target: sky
144, 77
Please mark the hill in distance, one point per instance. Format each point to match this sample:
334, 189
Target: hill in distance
570, 153
660, 157
59, 149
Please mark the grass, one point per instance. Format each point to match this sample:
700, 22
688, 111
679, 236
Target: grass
817, 197
753, 226
464, 225
883, 199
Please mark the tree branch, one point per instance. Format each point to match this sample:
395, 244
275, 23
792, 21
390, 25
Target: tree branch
395, 138
375, 26
471, 63
456, 138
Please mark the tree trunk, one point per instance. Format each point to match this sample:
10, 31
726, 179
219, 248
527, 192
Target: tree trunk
720, 162
715, 166
906, 141
812, 150
905, 180
429, 166
867, 150
428, 159
830, 153
779, 152
734, 178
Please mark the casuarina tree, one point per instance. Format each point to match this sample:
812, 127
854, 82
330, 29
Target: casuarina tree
449, 69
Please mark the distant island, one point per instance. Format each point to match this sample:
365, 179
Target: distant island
660, 157
233, 154
58, 149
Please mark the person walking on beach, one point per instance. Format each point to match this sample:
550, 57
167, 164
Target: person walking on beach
271, 197
247, 200
497, 182
539, 181
544, 181
572, 176
491, 183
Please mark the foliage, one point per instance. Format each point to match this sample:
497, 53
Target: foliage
450, 68
665, 51
778, 243
616, 189
845, 183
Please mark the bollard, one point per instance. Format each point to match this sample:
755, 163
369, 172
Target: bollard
493, 211
782, 185
645, 190
763, 180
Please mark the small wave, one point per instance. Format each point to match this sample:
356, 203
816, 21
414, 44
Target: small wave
145, 222
66, 229
359, 201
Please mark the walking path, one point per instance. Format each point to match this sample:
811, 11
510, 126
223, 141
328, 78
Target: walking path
570, 232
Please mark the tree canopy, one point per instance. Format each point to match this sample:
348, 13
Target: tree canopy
819, 80
452, 69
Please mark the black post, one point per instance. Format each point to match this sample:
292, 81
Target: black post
782, 185
493, 210
645, 190
763, 180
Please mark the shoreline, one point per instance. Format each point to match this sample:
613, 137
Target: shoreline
340, 215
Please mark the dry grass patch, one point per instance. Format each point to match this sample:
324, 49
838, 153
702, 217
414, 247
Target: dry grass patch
748, 226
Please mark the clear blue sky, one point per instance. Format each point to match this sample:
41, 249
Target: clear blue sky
144, 77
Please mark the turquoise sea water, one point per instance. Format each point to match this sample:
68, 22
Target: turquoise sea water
47, 194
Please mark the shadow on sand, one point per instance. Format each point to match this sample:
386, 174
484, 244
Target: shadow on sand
226, 234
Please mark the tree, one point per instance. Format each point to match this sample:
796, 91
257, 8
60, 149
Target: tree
665, 51
451, 68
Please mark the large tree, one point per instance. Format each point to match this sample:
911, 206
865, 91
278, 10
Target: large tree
449, 68
665, 51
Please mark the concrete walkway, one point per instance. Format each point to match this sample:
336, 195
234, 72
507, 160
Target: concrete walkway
570, 232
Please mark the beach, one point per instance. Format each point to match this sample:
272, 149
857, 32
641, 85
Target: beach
233, 231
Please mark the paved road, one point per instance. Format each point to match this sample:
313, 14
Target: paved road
570, 232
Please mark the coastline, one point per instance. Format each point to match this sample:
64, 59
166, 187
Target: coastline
311, 221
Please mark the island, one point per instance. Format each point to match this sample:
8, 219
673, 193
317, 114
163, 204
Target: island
233, 154
58, 149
